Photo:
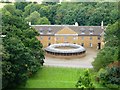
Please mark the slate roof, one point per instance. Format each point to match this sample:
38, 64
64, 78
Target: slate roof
81, 30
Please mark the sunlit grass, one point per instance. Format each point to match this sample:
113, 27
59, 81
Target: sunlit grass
57, 77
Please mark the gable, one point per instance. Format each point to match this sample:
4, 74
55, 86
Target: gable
66, 30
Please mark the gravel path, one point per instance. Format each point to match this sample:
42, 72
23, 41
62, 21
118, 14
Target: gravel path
83, 62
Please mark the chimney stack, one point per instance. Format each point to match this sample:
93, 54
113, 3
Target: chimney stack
29, 23
102, 25
76, 24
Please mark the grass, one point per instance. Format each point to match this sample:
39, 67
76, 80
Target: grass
56, 77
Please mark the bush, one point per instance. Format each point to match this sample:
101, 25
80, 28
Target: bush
84, 81
110, 77
106, 56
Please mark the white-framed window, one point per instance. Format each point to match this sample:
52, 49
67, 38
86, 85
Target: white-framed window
83, 32
91, 31
90, 37
82, 37
90, 44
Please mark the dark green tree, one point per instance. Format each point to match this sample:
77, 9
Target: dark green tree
22, 54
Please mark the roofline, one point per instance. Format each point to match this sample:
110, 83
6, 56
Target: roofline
78, 35
52, 25
67, 25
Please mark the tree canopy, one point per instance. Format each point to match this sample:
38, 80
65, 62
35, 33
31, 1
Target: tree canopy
22, 53
85, 13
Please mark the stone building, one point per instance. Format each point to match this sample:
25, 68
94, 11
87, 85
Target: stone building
87, 36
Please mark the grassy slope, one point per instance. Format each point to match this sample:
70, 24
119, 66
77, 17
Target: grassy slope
55, 77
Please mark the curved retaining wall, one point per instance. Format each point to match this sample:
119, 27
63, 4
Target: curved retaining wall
76, 51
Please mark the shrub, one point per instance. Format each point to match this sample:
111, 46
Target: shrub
84, 81
110, 77
105, 57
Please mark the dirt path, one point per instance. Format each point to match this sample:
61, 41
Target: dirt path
83, 62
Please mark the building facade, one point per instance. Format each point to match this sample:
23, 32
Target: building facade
87, 36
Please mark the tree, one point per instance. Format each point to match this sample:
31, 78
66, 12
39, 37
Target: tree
12, 10
106, 56
43, 21
112, 36
35, 18
21, 5
110, 76
23, 53
110, 52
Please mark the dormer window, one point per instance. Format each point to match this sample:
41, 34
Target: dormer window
91, 30
41, 31
82, 31
49, 30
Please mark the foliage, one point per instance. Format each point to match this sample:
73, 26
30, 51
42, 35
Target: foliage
110, 52
21, 5
22, 54
110, 77
105, 57
112, 36
85, 81
85, 13
35, 18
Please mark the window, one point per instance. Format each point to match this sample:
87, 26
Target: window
41, 31
82, 38
49, 38
82, 44
98, 37
91, 32
90, 44
90, 37
41, 37
49, 30
65, 38
83, 32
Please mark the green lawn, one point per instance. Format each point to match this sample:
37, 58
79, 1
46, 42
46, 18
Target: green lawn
55, 77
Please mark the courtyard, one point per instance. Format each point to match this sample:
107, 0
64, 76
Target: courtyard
83, 62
